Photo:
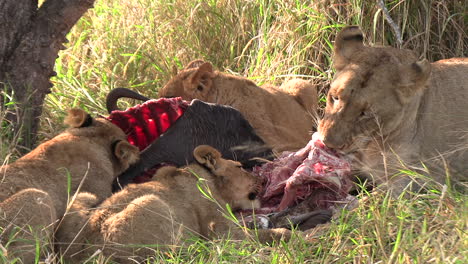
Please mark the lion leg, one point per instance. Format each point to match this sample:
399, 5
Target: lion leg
73, 231
27, 219
402, 183
304, 92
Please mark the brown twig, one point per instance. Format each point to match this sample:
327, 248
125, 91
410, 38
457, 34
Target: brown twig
390, 21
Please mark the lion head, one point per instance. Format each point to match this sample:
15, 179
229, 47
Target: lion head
193, 82
103, 134
237, 187
373, 92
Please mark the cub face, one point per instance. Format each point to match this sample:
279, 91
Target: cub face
194, 82
238, 187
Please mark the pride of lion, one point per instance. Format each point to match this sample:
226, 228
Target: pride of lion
165, 211
386, 111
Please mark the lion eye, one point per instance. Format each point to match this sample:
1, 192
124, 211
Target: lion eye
200, 88
335, 99
252, 196
364, 114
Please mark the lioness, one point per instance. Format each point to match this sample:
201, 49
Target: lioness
386, 108
163, 212
35, 189
283, 117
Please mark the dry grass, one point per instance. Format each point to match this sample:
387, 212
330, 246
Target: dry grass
135, 43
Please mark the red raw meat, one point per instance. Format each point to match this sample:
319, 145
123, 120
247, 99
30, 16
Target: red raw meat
146, 122
294, 176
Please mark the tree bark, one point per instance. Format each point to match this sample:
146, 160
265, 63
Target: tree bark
30, 39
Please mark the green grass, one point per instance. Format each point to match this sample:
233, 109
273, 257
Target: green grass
426, 228
135, 44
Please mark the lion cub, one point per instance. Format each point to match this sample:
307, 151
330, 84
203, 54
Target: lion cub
165, 211
35, 189
283, 117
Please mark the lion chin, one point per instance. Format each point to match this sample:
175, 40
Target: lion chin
397, 113
246, 205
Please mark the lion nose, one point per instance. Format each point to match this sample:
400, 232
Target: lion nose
332, 143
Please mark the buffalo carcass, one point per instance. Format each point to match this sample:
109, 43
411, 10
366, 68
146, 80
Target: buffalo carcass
222, 127
225, 128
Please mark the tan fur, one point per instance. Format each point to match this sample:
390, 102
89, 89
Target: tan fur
283, 117
165, 211
389, 110
33, 189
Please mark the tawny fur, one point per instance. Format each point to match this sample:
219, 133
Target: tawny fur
165, 211
284, 117
34, 190
389, 110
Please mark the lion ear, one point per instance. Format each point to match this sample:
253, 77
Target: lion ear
174, 71
78, 118
412, 78
126, 153
202, 79
207, 156
194, 64
348, 41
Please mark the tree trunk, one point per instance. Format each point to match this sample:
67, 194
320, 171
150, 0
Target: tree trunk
30, 39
